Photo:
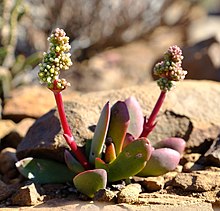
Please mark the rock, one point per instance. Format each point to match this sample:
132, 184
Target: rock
197, 125
192, 157
202, 61
7, 165
167, 202
50, 142
168, 177
212, 156
26, 196
179, 168
153, 183
7, 159
129, 194
18, 133
5, 191
209, 26
115, 65
29, 101
0, 108
6, 126
191, 166
5, 84
104, 195
198, 181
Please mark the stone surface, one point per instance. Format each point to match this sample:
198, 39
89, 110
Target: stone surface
5, 84
153, 183
5, 191
68, 205
202, 60
196, 124
105, 195
130, 194
28, 101
192, 157
18, 133
50, 142
207, 24
171, 202
198, 181
6, 126
26, 196
7, 159
7, 165
191, 166
213, 154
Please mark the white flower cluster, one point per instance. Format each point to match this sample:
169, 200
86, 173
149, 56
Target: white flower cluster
170, 69
55, 60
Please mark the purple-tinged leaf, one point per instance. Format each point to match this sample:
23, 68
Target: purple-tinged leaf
72, 163
90, 181
118, 125
161, 161
175, 143
128, 139
136, 117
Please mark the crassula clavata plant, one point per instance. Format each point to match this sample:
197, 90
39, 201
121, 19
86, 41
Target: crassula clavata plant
119, 148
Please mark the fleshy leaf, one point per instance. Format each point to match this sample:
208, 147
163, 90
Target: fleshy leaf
72, 163
118, 125
88, 147
100, 134
136, 117
161, 161
130, 161
128, 139
100, 164
90, 181
44, 171
175, 143
110, 154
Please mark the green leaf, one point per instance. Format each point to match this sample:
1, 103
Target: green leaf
118, 125
44, 171
100, 134
90, 181
129, 162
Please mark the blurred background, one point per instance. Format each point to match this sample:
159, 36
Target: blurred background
115, 43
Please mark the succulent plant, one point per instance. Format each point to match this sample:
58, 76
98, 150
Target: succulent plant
119, 148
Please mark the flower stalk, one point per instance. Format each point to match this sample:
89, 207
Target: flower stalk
169, 71
55, 60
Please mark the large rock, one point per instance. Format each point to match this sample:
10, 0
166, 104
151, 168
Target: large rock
6, 126
198, 181
190, 111
213, 154
29, 101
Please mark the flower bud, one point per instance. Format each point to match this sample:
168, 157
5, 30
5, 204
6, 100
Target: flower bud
170, 69
55, 60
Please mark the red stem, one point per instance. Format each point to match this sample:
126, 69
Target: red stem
150, 124
67, 132
60, 107
157, 107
